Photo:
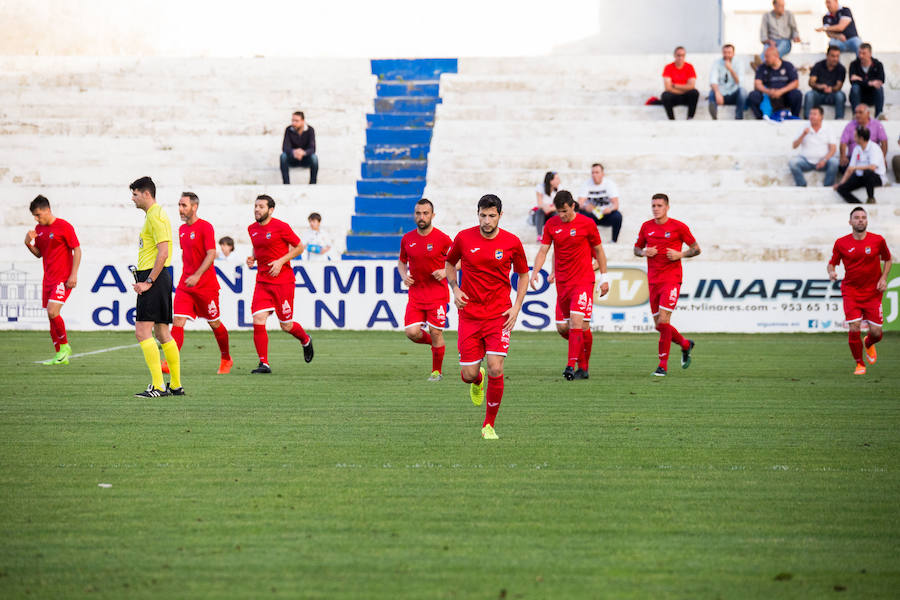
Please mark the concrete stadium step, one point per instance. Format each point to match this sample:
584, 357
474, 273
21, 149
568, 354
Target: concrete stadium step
383, 223
394, 169
397, 152
400, 120
385, 205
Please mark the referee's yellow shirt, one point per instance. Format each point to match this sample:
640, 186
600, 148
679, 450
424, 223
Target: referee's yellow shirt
156, 229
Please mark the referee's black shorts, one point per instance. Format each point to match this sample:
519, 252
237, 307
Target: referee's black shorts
156, 303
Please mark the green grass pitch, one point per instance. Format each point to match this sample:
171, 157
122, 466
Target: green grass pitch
766, 470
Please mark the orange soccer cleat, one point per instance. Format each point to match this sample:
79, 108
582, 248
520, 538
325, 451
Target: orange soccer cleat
225, 366
860, 369
165, 367
871, 354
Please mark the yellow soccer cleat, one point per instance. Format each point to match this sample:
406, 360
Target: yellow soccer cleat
61, 357
860, 369
435, 376
871, 354
488, 433
476, 390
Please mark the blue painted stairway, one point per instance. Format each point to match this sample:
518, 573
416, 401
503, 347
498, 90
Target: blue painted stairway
398, 137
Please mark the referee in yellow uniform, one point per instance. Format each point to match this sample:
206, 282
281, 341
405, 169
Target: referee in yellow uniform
154, 290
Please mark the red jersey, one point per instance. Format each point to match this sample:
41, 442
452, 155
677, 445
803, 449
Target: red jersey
270, 242
572, 248
55, 243
862, 261
485, 270
195, 241
680, 76
671, 234
425, 254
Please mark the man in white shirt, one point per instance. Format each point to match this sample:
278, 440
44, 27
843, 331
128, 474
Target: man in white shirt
866, 169
599, 200
318, 244
818, 145
724, 83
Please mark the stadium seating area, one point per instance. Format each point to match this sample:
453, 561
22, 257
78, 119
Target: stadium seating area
79, 130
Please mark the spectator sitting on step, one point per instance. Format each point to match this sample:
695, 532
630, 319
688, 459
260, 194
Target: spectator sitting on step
778, 29
818, 147
599, 200
825, 82
861, 118
895, 162
866, 169
546, 192
318, 244
839, 26
680, 81
226, 248
298, 149
724, 83
776, 79
867, 80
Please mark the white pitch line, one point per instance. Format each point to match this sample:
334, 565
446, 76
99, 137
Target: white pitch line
80, 354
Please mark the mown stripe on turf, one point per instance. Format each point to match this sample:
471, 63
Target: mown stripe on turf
37, 362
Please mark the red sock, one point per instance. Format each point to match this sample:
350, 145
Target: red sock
298, 332
872, 339
856, 347
222, 339
437, 358
59, 325
178, 335
678, 338
261, 341
575, 338
587, 341
53, 334
665, 342
494, 397
478, 378
425, 338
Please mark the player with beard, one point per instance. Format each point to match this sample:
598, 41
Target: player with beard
423, 252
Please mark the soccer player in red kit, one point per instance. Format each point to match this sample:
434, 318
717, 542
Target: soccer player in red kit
197, 293
425, 249
661, 240
864, 283
54, 241
274, 245
486, 315
577, 244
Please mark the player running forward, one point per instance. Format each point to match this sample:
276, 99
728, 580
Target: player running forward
54, 241
197, 293
661, 240
274, 245
425, 249
486, 315
864, 283
577, 244
154, 289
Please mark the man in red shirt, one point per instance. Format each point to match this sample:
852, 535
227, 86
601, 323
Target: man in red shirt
54, 241
424, 250
864, 283
274, 246
577, 244
680, 81
197, 293
661, 240
486, 315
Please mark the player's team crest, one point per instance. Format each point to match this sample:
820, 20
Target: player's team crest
51, 236
572, 232
212, 309
268, 235
193, 235
668, 234
60, 289
440, 312
428, 247
868, 250
286, 309
498, 254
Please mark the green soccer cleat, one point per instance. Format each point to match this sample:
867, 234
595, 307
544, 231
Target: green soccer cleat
488, 433
476, 390
686, 355
435, 376
61, 357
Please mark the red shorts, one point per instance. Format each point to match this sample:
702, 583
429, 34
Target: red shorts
477, 338
663, 296
433, 316
274, 296
865, 308
574, 299
55, 292
193, 302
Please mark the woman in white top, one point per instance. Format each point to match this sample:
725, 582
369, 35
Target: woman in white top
545, 194
866, 169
